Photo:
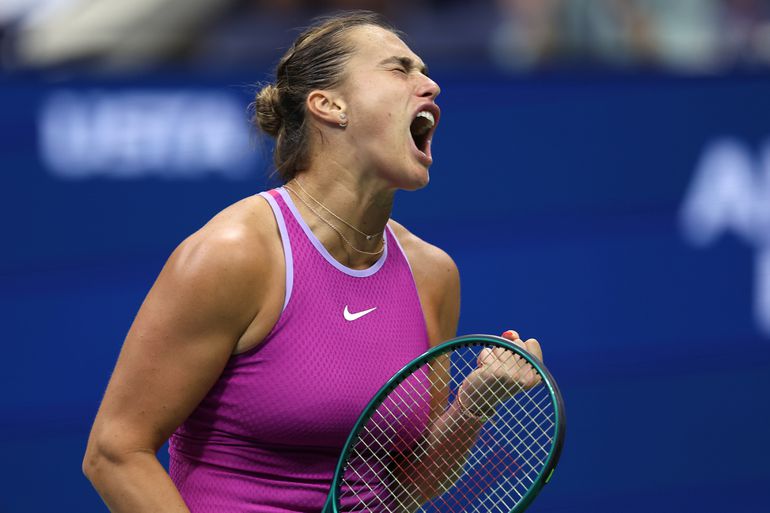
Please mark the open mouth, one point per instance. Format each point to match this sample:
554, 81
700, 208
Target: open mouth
421, 129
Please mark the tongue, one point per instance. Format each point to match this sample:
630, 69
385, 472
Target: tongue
419, 126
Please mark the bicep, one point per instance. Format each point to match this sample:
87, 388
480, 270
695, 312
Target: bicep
450, 306
443, 328
178, 344
445, 294
438, 285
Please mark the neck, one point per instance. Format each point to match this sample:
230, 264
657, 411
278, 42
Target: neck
355, 199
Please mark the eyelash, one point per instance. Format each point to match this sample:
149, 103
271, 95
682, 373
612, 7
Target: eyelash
402, 70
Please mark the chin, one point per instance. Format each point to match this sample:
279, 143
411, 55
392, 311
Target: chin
424, 181
415, 181
408, 176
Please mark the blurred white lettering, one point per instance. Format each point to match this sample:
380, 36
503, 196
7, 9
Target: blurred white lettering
138, 134
731, 192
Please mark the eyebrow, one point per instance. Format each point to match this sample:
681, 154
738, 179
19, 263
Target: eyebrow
406, 62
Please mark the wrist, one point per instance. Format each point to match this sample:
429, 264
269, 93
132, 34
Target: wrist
470, 412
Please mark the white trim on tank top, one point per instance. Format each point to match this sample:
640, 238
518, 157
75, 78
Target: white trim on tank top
358, 273
286, 242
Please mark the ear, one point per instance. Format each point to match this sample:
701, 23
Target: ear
325, 106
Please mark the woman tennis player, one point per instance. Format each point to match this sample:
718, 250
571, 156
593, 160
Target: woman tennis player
269, 329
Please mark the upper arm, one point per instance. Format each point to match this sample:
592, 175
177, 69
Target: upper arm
179, 342
448, 290
442, 285
438, 284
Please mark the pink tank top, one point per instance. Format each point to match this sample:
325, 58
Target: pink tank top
267, 436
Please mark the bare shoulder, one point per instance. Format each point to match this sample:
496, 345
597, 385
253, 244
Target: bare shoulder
212, 288
240, 241
438, 283
428, 261
227, 270
247, 224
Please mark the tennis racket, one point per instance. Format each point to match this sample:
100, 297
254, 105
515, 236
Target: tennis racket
474, 424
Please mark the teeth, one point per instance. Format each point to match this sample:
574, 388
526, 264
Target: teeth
419, 128
427, 115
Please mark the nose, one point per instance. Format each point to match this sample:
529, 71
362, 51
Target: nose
428, 88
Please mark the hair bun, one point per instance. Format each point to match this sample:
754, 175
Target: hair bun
267, 110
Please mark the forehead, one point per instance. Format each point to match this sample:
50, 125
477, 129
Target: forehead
372, 42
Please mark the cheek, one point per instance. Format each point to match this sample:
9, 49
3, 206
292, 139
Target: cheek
379, 127
375, 104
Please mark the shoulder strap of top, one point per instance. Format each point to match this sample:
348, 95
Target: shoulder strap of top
273, 198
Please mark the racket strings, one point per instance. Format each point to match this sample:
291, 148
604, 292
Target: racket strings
395, 456
518, 460
483, 457
372, 470
456, 383
501, 422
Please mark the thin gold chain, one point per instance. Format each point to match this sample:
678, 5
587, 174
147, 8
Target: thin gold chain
368, 236
319, 216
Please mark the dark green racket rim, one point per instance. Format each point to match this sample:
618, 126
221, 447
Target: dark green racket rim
467, 340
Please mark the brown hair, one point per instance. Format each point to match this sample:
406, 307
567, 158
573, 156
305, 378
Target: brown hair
315, 61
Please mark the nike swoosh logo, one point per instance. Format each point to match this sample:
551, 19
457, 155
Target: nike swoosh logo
353, 316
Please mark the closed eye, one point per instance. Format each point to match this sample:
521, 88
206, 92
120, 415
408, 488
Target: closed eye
404, 65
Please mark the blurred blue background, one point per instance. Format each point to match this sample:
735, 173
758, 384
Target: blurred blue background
601, 177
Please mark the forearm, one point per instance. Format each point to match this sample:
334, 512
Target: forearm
135, 483
444, 451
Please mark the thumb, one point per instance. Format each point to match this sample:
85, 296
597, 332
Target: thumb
511, 335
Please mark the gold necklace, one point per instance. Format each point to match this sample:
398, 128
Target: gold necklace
368, 236
319, 216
